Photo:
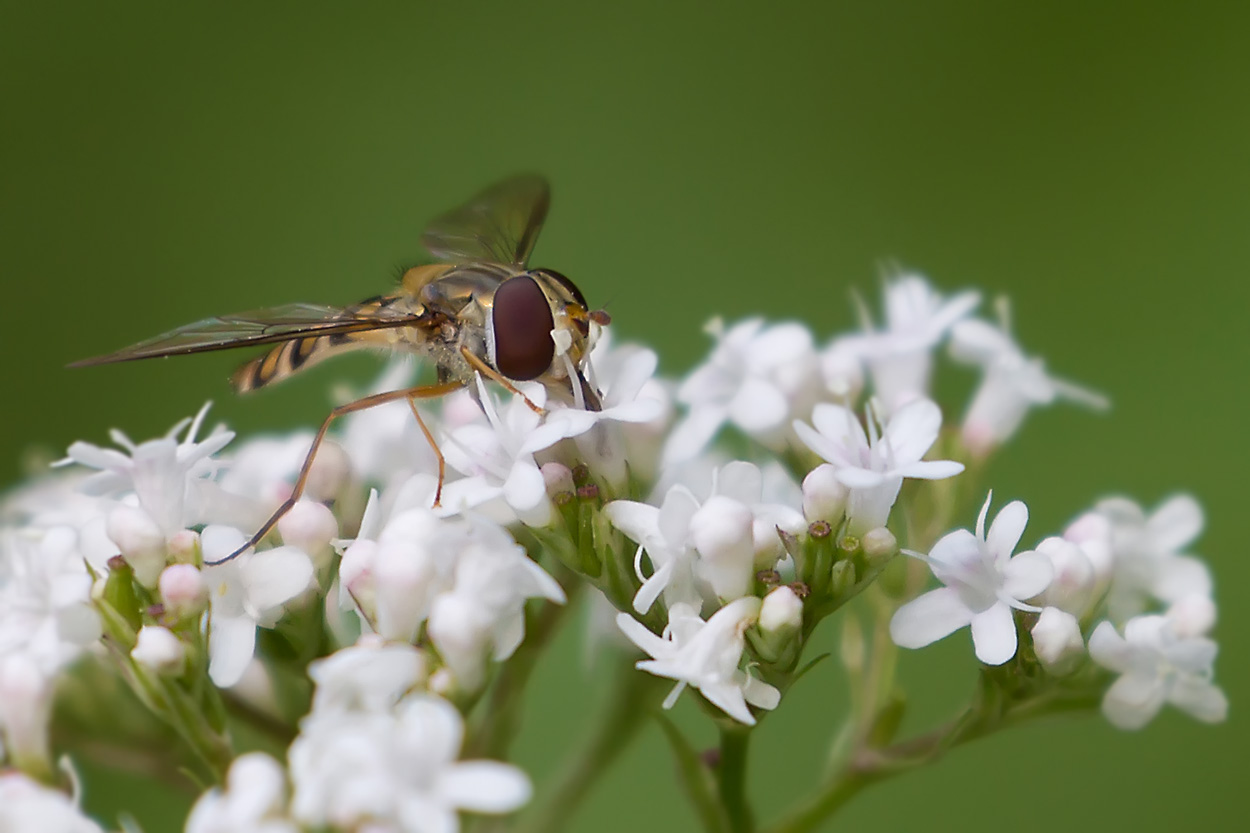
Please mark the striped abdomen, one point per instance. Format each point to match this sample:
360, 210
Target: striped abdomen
291, 356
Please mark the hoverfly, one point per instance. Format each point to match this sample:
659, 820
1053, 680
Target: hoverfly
481, 309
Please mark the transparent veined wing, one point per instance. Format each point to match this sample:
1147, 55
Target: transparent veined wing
499, 225
263, 326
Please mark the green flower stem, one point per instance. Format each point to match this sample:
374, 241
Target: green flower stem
500, 714
630, 700
731, 772
869, 765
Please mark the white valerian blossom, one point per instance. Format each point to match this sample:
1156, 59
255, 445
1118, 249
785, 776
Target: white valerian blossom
395, 771
1148, 557
1011, 384
662, 533
705, 656
899, 355
759, 378
371, 675
497, 458
464, 578
873, 464
26, 804
25, 712
253, 801
246, 593
1156, 666
983, 584
167, 475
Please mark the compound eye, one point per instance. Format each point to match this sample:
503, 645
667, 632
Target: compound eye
521, 326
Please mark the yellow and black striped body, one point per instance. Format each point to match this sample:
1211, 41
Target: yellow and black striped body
289, 357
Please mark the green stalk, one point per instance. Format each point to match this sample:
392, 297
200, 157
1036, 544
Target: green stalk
731, 772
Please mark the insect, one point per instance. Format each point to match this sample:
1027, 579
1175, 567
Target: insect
481, 309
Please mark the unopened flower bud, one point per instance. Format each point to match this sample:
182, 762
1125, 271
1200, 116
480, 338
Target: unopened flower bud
1072, 587
159, 650
1092, 533
310, 526
184, 547
781, 614
443, 683
557, 477
25, 709
183, 591
722, 531
878, 545
824, 496
140, 540
330, 473
1192, 615
457, 630
1057, 640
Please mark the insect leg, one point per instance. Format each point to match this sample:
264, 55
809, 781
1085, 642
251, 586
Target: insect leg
429, 438
491, 373
419, 392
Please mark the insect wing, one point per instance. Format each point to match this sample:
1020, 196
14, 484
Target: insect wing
499, 225
264, 326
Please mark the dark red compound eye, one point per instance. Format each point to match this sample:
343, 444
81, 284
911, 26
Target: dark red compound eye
521, 322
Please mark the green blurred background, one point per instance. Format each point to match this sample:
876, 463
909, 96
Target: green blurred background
164, 162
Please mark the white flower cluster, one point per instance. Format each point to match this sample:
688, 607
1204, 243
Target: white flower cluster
399, 589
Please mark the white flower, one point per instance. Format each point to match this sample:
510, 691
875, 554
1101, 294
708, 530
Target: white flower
158, 649
664, 535
706, 656
25, 712
498, 457
254, 800
758, 378
371, 675
1156, 666
1012, 384
27, 805
183, 591
842, 365
245, 593
1147, 554
1057, 640
873, 465
983, 583
484, 609
900, 354
396, 772
165, 474
45, 605
1074, 584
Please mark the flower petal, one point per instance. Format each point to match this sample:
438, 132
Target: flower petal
912, 430
275, 576
1199, 699
928, 618
1006, 530
994, 635
1026, 575
1175, 524
231, 643
485, 787
1109, 649
1133, 700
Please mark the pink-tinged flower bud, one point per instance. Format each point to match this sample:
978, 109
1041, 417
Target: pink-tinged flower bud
722, 531
1092, 533
443, 683
140, 540
184, 547
1072, 588
824, 496
310, 526
330, 473
356, 575
159, 650
1192, 615
1057, 640
183, 591
558, 478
